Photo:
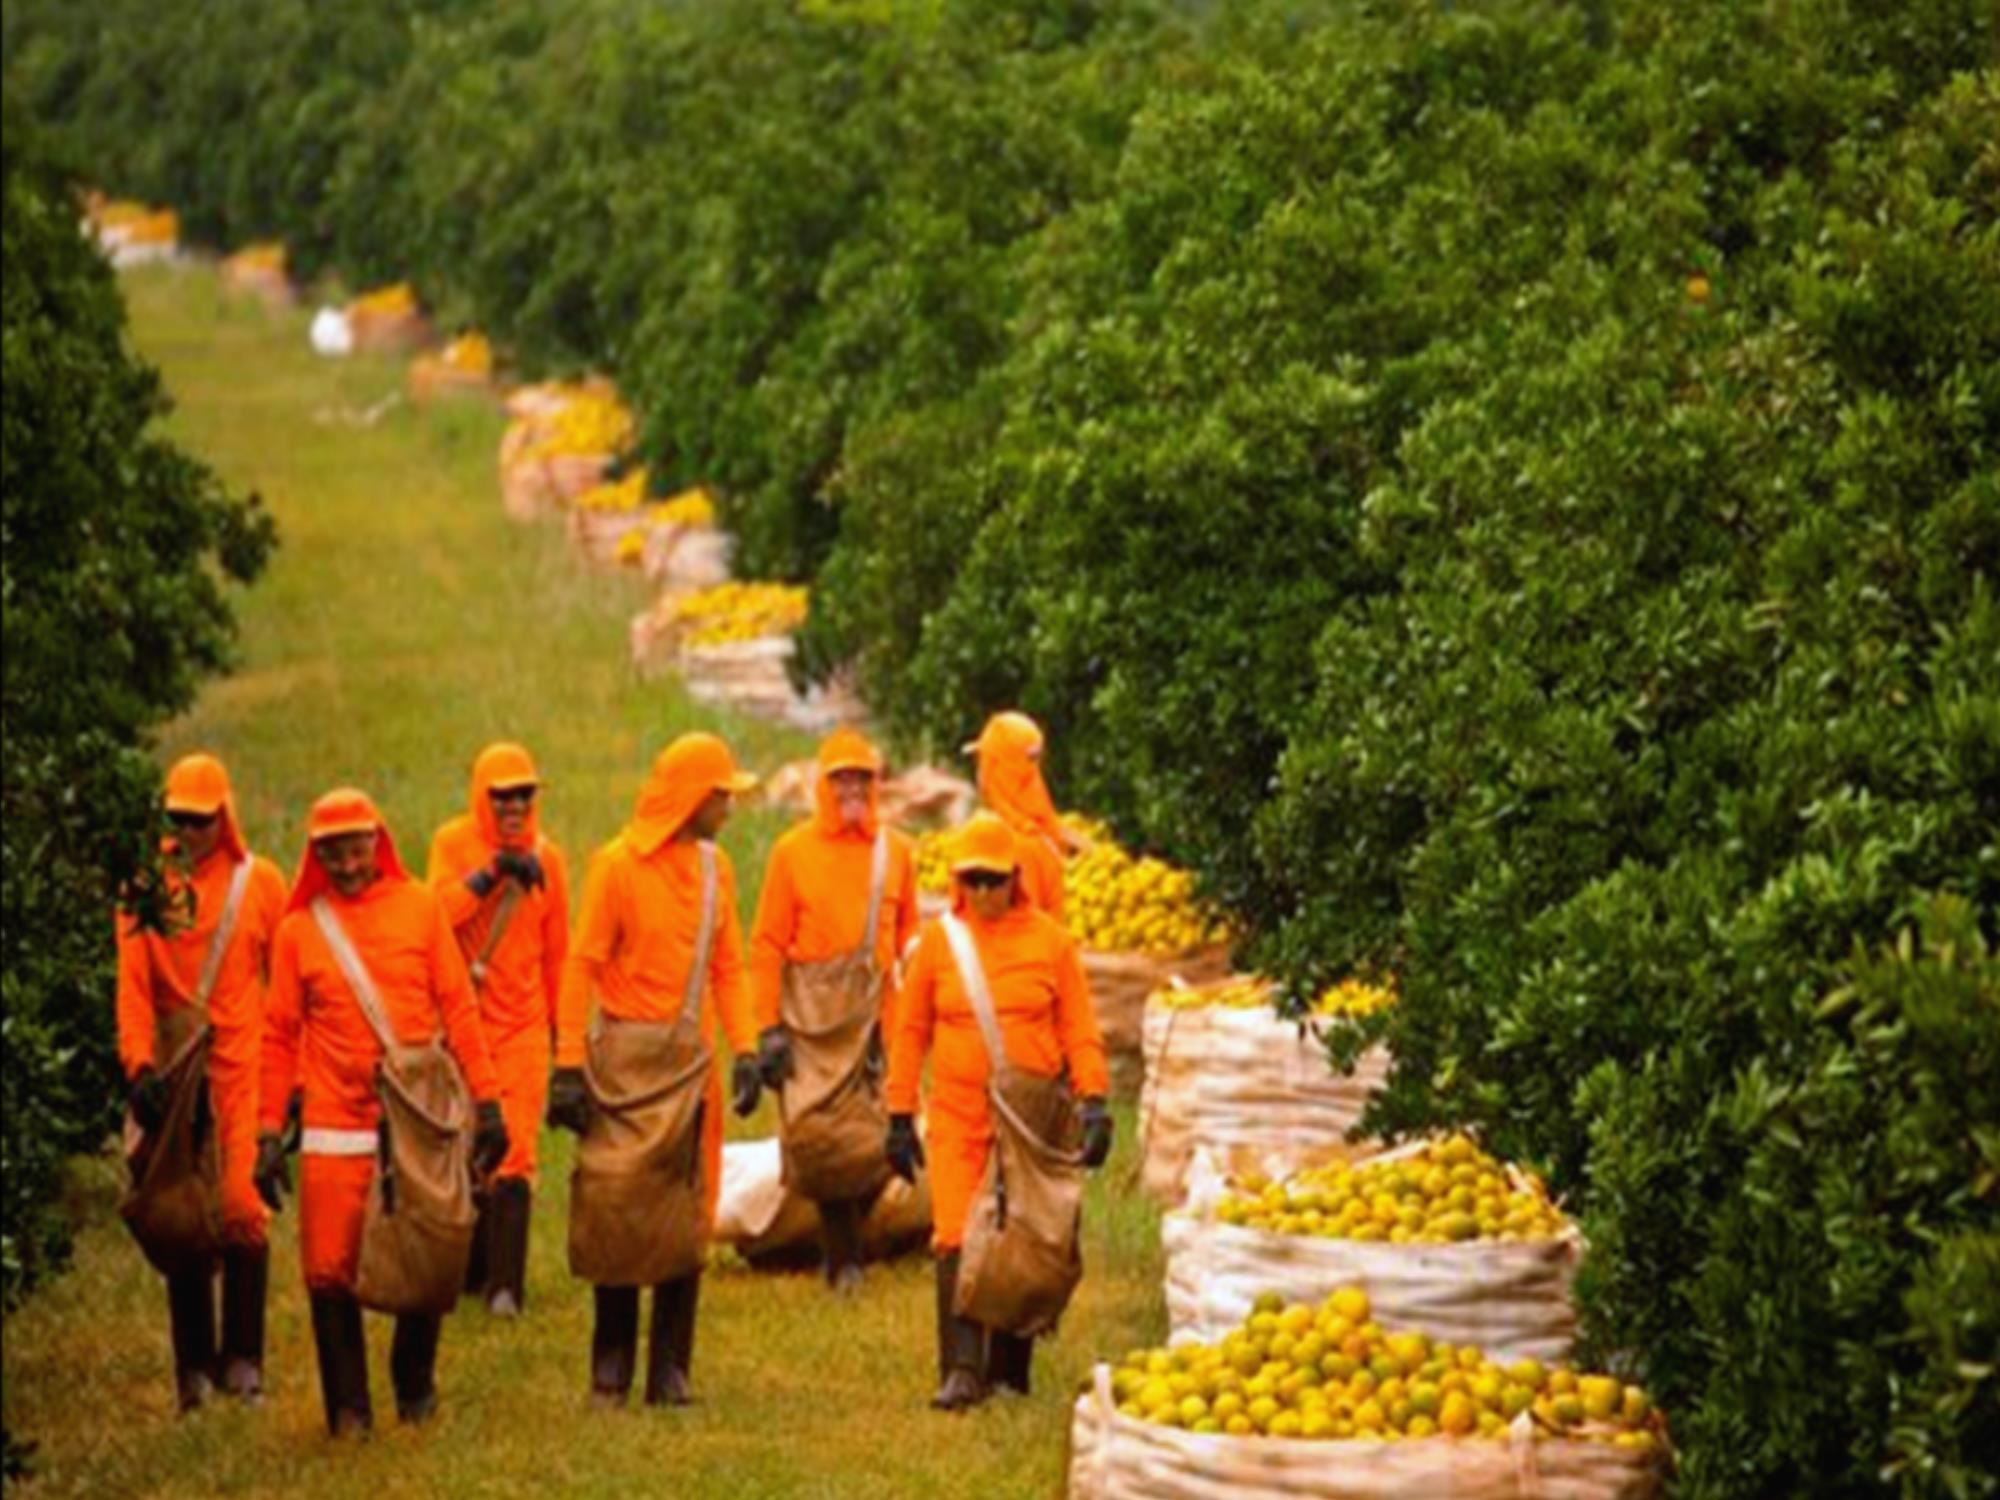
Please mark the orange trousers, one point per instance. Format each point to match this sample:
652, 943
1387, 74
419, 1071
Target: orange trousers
333, 1196
522, 1061
956, 1158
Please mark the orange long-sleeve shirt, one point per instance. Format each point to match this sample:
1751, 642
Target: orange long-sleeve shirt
315, 1032
1041, 871
524, 971
814, 906
1040, 997
634, 946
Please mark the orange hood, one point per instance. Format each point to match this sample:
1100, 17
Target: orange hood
985, 843
682, 776
200, 784
498, 767
846, 750
1010, 774
343, 810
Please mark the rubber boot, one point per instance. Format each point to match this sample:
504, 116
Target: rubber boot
840, 1236
343, 1363
191, 1328
246, 1276
413, 1365
614, 1344
1008, 1357
507, 1250
478, 1272
961, 1345
670, 1348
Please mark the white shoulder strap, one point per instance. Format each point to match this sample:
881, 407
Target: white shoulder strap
355, 971
878, 877
225, 929
704, 940
972, 975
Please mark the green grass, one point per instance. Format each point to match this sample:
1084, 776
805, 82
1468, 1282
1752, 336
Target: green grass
403, 624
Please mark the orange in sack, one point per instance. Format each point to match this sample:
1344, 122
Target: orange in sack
839, 902
994, 993
372, 1018
505, 889
659, 949
190, 1017
1009, 750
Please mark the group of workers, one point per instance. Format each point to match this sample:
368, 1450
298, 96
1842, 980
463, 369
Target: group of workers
305, 988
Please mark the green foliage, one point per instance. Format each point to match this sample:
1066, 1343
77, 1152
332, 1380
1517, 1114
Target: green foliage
114, 611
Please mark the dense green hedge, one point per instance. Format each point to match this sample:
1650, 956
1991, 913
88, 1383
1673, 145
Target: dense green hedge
1314, 415
114, 543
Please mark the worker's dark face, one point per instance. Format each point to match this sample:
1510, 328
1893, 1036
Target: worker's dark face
707, 820
196, 834
349, 861
988, 894
511, 807
851, 793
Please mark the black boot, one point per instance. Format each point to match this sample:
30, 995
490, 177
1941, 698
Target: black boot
507, 1208
670, 1349
413, 1365
614, 1344
1008, 1357
343, 1362
961, 1345
191, 1326
840, 1238
478, 1265
246, 1275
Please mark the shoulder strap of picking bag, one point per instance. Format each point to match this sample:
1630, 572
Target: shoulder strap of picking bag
705, 936
972, 974
503, 914
225, 929
355, 972
878, 877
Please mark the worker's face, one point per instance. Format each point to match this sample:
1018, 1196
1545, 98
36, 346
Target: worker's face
851, 790
349, 861
511, 806
196, 834
987, 894
708, 819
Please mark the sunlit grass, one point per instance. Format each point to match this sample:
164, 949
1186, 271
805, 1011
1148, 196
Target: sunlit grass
404, 623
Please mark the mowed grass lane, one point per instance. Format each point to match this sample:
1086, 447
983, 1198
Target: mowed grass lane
403, 624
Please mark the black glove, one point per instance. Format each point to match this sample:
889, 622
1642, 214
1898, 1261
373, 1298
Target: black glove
774, 1055
482, 880
524, 865
744, 1083
489, 1138
294, 1131
904, 1150
148, 1098
272, 1175
1096, 1132
569, 1101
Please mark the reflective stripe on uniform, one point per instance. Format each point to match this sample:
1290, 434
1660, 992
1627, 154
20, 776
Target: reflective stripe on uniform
319, 1140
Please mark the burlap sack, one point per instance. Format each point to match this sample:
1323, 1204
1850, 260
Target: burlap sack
571, 474
1113, 1457
1511, 1299
769, 1225
685, 559
751, 677
386, 332
597, 534
1120, 983
638, 1203
416, 1232
525, 492
1245, 1081
174, 1205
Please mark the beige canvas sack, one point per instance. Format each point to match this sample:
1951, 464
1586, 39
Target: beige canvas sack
1022, 1256
174, 1205
416, 1231
638, 1198
832, 1120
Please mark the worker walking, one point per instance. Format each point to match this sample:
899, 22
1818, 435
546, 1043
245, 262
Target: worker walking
1009, 752
505, 889
659, 950
190, 1015
838, 904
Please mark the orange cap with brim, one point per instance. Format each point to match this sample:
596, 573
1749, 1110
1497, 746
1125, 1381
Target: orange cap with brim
682, 777
848, 750
1008, 731
343, 810
197, 784
985, 843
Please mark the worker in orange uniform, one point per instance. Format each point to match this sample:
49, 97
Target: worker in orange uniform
212, 964
640, 949
1009, 751
1047, 1026
838, 904
318, 1035
505, 889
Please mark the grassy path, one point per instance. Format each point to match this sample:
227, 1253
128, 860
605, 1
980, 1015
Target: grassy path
403, 624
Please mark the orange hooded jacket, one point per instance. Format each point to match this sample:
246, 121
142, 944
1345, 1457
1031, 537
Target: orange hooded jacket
814, 902
1041, 1000
634, 943
519, 980
1010, 784
157, 974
